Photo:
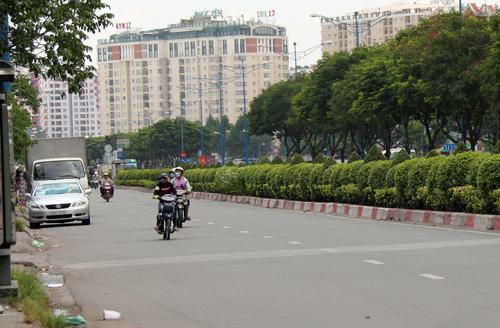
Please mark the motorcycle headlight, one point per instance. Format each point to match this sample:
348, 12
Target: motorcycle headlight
80, 203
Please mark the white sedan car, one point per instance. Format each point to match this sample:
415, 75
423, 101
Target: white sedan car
58, 201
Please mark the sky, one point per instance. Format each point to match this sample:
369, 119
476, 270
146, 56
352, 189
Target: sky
293, 15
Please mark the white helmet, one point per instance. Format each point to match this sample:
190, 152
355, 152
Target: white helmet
178, 168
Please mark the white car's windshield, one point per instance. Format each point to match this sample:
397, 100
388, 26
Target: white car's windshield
54, 170
58, 189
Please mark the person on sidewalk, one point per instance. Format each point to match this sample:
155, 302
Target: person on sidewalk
182, 184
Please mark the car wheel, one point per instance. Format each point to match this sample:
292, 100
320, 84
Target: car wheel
34, 225
86, 221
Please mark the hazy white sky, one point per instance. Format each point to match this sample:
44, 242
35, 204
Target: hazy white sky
293, 14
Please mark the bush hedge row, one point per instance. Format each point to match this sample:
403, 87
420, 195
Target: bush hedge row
468, 182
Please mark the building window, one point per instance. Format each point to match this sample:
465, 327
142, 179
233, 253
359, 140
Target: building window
155, 49
186, 48
193, 48
171, 50
203, 48
150, 51
242, 46
224, 47
176, 50
211, 47
236, 46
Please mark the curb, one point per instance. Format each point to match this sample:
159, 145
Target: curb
468, 221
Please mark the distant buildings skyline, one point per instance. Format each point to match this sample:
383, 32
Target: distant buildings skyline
62, 114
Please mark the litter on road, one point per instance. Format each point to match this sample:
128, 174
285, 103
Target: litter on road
75, 321
110, 315
37, 244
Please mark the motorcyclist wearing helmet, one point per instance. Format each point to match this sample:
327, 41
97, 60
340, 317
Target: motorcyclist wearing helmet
163, 187
107, 179
181, 183
171, 175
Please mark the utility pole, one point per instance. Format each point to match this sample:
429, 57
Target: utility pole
357, 28
245, 119
222, 131
201, 120
460, 6
182, 125
295, 56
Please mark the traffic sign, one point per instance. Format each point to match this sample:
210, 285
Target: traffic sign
108, 148
183, 154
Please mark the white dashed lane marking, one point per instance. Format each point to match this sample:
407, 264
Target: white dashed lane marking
210, 223
293, 242
431, 276
374, 262
267, 237
244, 231
226, 227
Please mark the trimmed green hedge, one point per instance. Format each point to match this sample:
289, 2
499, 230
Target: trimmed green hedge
464, 182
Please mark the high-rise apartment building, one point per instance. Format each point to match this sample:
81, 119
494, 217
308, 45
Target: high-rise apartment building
372, 26
192, 69
63, 114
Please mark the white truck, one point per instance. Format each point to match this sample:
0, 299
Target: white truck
57, 159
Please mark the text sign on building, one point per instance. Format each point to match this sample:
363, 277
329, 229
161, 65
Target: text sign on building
122, 143
123, 26
266, 13
214, 13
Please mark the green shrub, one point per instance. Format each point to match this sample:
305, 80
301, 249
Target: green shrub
386, 197
295, 159
350, 172
461, 148
329, 161
378, 174
417, 174
400, 174
432, 153
488, 174
400, 157
277, 160
497, 147
374, 154
454, 170
353, 157
320, 158
495, 196
228, 180
264, 160
349, 193
468, 199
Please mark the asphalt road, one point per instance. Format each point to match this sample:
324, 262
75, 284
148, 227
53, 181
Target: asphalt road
240, 266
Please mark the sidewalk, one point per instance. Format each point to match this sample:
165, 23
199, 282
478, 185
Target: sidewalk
23, 253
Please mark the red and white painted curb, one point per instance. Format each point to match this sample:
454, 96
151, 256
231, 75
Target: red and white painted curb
478, 222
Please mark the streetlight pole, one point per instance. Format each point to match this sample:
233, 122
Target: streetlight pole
222, 131
245, 120
295, 56
357, 28
460, 6
182, 126
201, 120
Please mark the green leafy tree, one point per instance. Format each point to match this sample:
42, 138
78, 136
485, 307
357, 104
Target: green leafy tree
400, 157
270, 114
374, 154
48, 36
23, 99
354, 157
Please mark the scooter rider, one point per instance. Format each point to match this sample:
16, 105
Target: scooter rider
163, 187
182, 184
107, 179
171, 175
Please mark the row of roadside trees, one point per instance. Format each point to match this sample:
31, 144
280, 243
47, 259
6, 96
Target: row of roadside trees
436, 81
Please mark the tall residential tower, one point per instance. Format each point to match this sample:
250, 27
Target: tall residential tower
192, 69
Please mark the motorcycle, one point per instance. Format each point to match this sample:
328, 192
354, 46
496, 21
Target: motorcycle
94, 183
107, 189
181, 203
167, 213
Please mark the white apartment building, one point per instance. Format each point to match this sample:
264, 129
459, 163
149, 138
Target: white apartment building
68, 115
373, 25
192, 69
